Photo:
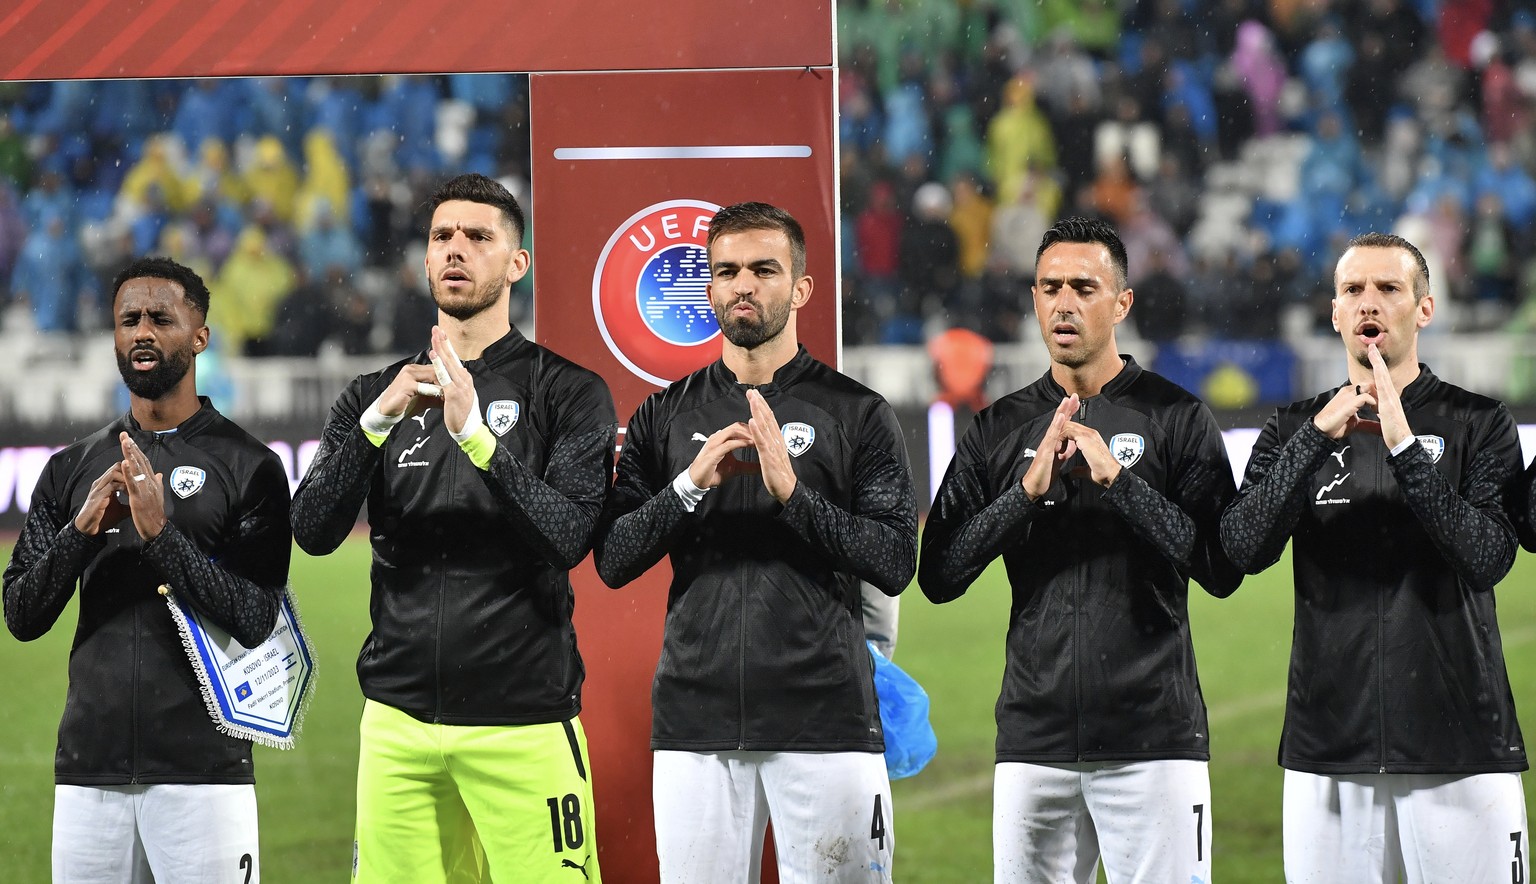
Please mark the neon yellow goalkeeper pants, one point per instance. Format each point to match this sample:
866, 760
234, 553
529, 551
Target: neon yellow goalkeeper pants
452, 803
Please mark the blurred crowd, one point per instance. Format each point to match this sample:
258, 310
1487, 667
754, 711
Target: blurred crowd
299, 200
1234, 143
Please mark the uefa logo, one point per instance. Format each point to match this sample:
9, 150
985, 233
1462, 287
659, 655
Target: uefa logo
649, 292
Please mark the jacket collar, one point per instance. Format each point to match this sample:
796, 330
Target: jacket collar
503, 350
1117, 384
783, 377
1420, 388
201, 418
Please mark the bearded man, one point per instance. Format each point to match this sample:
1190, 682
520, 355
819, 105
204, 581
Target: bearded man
776, 485
147, 787
484, 460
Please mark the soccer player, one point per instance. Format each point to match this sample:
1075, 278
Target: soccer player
1401, 749
147, 786
483, 487
775, 484
1100, 485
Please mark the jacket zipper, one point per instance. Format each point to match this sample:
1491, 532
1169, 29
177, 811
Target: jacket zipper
741, 625
133, 775
1381, 629
150, 449
1077, 607
442, 593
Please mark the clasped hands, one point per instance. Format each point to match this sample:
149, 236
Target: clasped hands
1341, 416
1064, 438
716, 461
444, 383
130, 487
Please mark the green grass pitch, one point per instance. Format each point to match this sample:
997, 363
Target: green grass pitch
942, 816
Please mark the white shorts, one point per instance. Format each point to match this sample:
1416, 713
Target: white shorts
831, 816
1417, 828
169, 833
1150, 820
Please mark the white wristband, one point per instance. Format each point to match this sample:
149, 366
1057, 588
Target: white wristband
689, 492
377, 423
471, 424
1402, 446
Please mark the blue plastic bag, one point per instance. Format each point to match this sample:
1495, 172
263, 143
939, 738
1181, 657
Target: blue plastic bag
909, 739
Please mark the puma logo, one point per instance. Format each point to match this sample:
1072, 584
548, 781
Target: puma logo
1339, 456
567, 864
700, 437
421, 418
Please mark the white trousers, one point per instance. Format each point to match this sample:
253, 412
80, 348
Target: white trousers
1418, 828
1148, 821
831, 816
167, 834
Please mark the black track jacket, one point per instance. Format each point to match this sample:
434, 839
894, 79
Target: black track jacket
471, 602
1396, 662
134, 712
1099, 661
764, 644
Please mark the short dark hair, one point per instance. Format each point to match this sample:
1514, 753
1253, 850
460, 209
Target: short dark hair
192, 285
761, 216
1375, 240
472, 187
1089, 230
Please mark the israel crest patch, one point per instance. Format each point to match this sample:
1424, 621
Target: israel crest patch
502, 415
1127, 448
1435, 445
798, 438
187, 481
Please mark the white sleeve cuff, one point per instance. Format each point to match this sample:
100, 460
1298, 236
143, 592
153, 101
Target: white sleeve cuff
471, 424
377, 423
689, 492
1402, 446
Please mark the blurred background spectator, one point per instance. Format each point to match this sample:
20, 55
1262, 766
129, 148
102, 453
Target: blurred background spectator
293, 196
1236, 143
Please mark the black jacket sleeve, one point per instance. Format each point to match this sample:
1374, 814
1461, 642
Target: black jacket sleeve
332, 493
1256, 527
1468, 525
643, 513
557, 513
966, 528
46, 564
239, 588
877, 539
1185, 527
1522, 505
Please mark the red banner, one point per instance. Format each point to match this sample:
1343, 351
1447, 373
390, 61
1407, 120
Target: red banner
196, 38
627, 171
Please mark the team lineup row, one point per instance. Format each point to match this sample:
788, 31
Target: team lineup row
775, 487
